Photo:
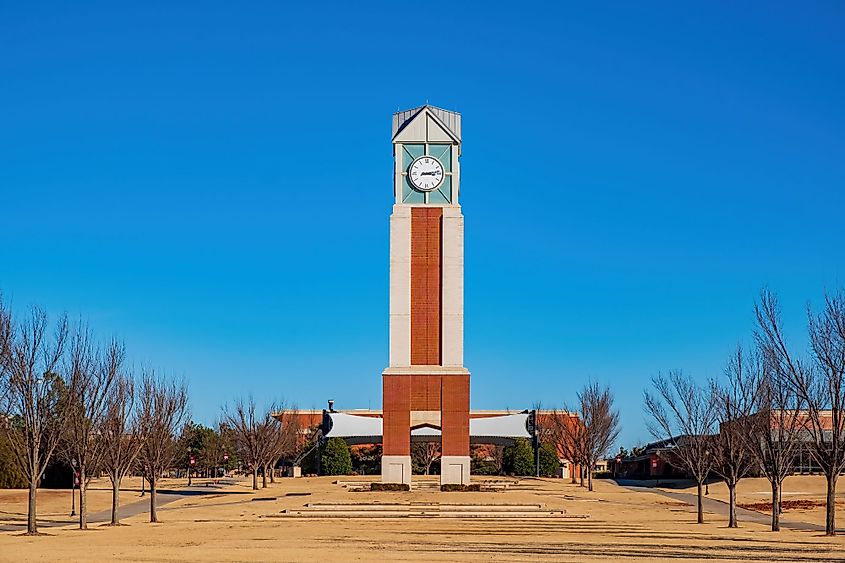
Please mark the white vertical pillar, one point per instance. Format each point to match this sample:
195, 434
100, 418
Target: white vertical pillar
452, 305
400, 286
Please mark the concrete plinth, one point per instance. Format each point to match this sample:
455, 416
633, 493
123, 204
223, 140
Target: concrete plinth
454, 470
396, 469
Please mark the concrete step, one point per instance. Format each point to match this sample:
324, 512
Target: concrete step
420, 510
443, 507
420, 514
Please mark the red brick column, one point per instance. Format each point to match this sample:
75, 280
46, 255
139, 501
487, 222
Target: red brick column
426, 276
397, 415
455, 415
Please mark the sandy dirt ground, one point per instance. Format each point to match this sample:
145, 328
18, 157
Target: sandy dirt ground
54, 505
803, 497
236, 524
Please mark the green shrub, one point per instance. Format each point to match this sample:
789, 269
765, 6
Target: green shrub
603, 475
336, 459
308, 464
519, 458
549, 462
484, 468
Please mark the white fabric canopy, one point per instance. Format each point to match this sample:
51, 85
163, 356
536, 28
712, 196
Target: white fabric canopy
425, 431
508, 426
351, 425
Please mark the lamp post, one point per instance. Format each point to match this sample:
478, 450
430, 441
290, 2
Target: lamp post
73, 488
190, 463
225, 462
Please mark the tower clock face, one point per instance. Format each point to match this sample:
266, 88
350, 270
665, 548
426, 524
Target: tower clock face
425, 173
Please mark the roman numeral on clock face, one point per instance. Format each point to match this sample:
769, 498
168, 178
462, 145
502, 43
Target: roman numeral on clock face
426, 173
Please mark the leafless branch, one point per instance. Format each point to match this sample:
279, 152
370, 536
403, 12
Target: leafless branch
684, 413
164, 405
35, 390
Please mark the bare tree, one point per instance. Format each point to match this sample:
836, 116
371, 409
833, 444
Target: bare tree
268, 431
684, 412
773, 432
262, 439
425, 454
601, 425
247, 429
819, 381
498, 455
122, 437
33, 390
274, 438
734, 403
92, 374
164, 410
569, 435
287, 435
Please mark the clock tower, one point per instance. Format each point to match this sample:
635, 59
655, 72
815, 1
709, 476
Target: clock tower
426, 384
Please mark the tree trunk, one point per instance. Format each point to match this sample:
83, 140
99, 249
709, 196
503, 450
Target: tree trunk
589, 480
153, 514
31, 524
273, 473
775, 506
572, 469
830, 519
700, 503
83, 507
732, 523
115, 501
264, 478
255, 478
581, 474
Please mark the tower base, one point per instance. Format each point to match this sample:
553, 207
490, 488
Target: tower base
454, 470
396, 469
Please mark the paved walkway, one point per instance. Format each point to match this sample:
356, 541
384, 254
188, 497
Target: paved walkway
721, 508
141, 506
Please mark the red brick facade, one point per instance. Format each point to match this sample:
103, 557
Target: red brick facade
448, 394
454, 416
426, 228
397, 414
425, 392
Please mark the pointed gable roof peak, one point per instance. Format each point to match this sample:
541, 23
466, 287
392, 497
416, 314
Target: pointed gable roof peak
450, 121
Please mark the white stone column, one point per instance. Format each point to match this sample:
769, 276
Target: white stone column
452, 305
400, 286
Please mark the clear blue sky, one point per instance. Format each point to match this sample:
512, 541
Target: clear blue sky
212, 183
